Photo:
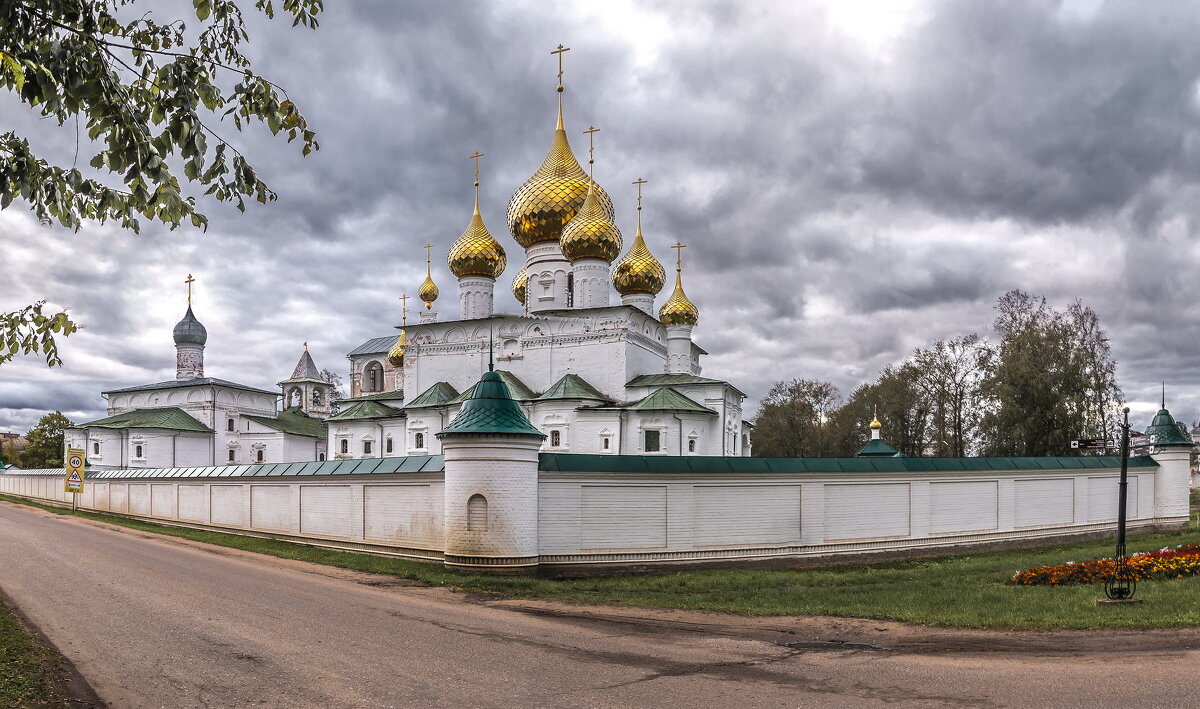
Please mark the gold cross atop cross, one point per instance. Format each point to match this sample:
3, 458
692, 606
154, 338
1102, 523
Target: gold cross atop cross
679, 247
189, 281
591, 132
559, 52
639, 182
428, 256
476, 157
404, 308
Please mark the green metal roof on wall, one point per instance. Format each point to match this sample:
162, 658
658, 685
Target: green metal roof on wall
378, 345
169, 417
659, 380
876, 448
365, 466
490, 410
366, 410
292, 421
573, 462
516, 389
437, 395
667, 399
1164, 431
572, 386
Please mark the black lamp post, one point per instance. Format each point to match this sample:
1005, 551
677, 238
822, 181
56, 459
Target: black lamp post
1122, 584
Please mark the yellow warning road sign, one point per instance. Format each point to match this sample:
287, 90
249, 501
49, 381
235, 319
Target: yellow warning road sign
75, 461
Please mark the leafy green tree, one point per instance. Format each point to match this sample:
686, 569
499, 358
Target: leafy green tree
28, 331
44, 442
948, 375
793, 420
898, 400
148, 94
10, 453
1049, 379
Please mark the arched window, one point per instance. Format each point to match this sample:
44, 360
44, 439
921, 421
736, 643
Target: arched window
605, 442
137, 451
555, 438
321, 457
259, 457
96, 448
316, 397
387, 444
229, 425
366, 448
419, 441
345, 445
230, 455
570, 289
373, 377
692, 446
294, 397
477, 513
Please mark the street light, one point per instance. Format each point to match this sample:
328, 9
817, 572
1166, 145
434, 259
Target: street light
1121, 586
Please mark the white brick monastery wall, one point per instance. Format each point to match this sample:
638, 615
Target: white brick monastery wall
582, 518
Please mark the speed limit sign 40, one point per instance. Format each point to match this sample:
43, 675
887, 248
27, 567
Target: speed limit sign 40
75, 462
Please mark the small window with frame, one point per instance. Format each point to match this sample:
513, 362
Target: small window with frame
653, 442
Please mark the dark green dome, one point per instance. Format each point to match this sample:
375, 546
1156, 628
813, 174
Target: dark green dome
1164, 431
189, 331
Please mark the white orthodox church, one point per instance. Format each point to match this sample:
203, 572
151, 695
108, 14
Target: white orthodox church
204, 421
595, 375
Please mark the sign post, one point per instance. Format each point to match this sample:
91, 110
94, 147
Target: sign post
1121, 586
76, 459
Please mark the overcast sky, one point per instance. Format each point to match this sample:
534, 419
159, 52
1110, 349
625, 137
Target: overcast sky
853, 180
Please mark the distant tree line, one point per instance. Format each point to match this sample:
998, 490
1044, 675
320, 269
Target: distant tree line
1047, 378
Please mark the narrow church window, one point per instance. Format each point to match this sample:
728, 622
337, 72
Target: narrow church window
570, 289
260, 456
555, 439
387, 444
604, 442
316, 397
345, 446
419, 441
373, 377
321, 457
653, 442
692, 446
230, 455
366, 448
229, 425
96, 448
477, 513
137, 451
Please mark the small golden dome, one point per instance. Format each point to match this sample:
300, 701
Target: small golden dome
428, 292
875, 425
638, 271
591, 234
678, 310
476, 252
549, 200
396, 355
518, 285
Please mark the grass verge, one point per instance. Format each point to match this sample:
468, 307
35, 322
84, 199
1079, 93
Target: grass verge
26, 666
962, 591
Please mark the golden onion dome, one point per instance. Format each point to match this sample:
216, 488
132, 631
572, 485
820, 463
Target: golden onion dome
428, 292
591, 234
518, 285
875, 425
638, 271
678, 310
476, 252
396, 355
542, 207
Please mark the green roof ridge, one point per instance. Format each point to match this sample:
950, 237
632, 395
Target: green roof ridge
667, 399
437, 395
366, 410
377, 396
877, 448
292, 421
572, 386
169, 417
491, 410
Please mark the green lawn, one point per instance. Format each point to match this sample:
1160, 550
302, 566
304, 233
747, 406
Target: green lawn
26, 667
965, 591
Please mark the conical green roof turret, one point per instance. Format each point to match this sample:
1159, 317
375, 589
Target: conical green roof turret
491, 411
1163, 431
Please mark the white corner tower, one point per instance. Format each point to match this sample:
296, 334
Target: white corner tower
476, 259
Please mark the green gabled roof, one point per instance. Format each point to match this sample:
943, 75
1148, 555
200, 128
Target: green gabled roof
516, 389
490, 410
667, 399
439, 394
667, 380
171, 417
572, 386
877, 448
292, 421
378, 396
366, 410
1163, 431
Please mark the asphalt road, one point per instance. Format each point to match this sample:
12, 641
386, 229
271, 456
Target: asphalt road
157, 622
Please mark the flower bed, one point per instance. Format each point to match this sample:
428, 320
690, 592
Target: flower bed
1166, 563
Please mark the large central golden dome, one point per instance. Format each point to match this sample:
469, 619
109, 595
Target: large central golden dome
549, 200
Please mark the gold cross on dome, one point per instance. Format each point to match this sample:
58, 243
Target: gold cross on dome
476, 157
428, 255
679, 247
559, 52
591, 133
404, 308
189, 281
639, 182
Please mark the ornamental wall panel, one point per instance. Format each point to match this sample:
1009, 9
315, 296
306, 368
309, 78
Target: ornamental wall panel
966, 506
559, 509
404, 515
1102, 498
624, 517
227, 505
193, 503
744, 515
866, 511
139, 499
271, 508
118, 497
103, 494
162, 500
1041, 503
326, 510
